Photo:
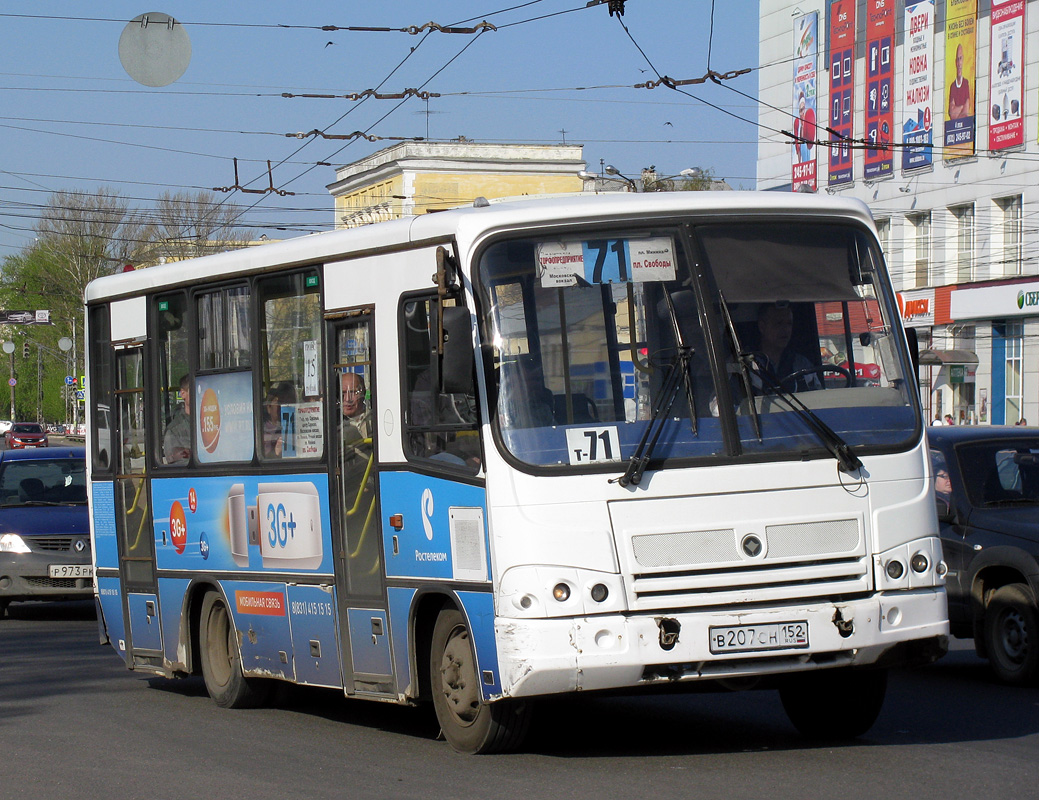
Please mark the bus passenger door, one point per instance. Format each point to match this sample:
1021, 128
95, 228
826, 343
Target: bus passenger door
359, 568
133, 512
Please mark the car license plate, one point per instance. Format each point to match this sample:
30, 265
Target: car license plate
753, 638
71, 570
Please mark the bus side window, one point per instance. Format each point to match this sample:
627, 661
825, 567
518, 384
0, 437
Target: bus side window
290, 424
441, 426
173, 382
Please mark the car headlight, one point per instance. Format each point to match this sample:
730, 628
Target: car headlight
13, 543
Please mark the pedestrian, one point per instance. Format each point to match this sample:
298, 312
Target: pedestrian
949, 420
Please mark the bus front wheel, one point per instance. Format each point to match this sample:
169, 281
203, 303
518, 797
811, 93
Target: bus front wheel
469, 724
834, 704
221, 661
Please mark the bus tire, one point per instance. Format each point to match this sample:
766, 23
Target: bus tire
834, 704
469, 724
222, 661
1011, 630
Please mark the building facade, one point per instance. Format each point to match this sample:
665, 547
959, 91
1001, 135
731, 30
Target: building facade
413, 178
927, 111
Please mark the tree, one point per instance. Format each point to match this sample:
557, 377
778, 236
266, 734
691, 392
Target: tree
190, 225
82, 236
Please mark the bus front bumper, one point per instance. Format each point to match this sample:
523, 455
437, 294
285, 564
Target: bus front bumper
550, 656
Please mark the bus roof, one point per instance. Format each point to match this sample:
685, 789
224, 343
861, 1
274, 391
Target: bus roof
467, 224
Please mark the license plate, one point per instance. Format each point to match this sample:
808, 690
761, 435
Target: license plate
754, 638
71, 571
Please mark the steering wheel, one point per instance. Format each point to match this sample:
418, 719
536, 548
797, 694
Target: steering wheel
819, 370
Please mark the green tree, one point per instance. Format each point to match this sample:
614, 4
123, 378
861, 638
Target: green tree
82, 236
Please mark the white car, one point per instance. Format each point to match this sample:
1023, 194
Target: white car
5, 426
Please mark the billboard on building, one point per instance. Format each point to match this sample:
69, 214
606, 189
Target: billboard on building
880, 84
806, 48
1006, 125
961, 23
842, 90
917, 57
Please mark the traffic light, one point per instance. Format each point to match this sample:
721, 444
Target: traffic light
25, 349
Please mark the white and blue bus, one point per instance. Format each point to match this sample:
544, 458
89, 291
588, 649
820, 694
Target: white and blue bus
520, 449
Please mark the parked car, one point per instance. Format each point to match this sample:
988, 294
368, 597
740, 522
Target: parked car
44, 526
5, 425
26, 434
987, 493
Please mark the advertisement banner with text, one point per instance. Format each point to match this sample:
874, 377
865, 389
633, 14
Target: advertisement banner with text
806, 48
880, 85
1006, 126
917, 57
842, 90
961, 30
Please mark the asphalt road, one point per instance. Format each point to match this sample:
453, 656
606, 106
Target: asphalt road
75, 723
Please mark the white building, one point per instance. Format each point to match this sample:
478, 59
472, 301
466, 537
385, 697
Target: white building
953, 222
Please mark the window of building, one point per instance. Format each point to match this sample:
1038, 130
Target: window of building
884, 235
1014, 391
921, 227
1011, 212
964, 242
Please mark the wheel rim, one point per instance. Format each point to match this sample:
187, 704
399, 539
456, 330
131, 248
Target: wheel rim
458, 677
220, 638
1013, 635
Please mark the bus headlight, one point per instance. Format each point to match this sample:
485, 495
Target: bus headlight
914, 565
532, 592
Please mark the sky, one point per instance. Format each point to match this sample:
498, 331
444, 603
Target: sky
551, 71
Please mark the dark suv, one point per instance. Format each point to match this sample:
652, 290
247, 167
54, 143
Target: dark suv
987, 492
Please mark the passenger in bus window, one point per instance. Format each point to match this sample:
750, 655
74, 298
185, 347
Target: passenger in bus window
273, 434
356, 420
176, 440
776, 358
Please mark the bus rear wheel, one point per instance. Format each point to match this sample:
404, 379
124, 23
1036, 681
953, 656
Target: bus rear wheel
469, 724
221, 660
834, 704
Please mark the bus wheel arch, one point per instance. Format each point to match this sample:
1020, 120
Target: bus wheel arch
469, 724
221, 659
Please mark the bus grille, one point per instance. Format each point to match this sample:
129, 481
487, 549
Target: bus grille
723, 566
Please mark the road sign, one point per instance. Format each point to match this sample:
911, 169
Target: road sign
69, 380
81, 395
12, 382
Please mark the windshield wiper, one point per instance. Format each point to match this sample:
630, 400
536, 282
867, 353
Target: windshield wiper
745, 362
831, 440
668, 392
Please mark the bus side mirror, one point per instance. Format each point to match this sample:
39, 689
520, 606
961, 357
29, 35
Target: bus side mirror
456, 368
914, 349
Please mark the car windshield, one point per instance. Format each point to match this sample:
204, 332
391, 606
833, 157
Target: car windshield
46, 481
781, 333
1004, 472
26, 427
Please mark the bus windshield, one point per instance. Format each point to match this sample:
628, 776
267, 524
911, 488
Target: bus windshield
695, 341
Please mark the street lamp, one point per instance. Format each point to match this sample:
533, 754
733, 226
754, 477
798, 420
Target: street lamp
616, 173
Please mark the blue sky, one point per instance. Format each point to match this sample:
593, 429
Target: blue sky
71, 118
